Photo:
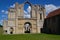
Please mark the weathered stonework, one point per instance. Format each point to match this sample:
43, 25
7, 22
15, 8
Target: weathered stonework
16, 21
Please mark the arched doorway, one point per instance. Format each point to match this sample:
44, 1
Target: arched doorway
27, 27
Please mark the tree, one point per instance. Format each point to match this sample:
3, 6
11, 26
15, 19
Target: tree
1, 25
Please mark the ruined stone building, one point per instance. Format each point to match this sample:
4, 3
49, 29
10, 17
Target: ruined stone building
18, 24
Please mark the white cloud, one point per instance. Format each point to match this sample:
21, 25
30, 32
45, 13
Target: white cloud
27, 13
50, 7
29, 9
12, 6
3, 16
2, 11
6, 12
1, 22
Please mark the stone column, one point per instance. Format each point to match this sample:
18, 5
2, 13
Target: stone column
8, 30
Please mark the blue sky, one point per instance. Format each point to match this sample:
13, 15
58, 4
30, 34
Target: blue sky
5, 4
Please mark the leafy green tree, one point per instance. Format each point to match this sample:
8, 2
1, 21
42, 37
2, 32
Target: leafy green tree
1, 25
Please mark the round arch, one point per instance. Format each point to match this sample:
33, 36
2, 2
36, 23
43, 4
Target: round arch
27, 27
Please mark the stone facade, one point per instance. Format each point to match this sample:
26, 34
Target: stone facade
16, 23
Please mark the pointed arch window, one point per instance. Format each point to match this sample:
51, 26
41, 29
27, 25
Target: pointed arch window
27, 10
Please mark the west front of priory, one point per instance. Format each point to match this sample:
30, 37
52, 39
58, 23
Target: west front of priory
18, 24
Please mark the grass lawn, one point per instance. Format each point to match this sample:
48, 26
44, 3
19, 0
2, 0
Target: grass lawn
30, 37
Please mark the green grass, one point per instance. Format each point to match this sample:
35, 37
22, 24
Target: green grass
1, 30
30, 37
